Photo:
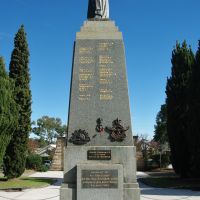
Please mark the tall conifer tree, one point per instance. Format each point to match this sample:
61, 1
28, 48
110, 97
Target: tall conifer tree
194, 130
178, 107
8, 110
160, 132
15, 159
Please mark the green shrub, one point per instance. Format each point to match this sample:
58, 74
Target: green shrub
33, 161
165, 160
42, 168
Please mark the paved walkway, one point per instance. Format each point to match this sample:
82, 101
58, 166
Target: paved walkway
52, 192
149, 193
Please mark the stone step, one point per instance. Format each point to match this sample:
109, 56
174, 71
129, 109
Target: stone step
57, 163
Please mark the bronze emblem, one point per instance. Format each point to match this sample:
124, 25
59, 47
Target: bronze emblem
99, 127
79, 137
117, 132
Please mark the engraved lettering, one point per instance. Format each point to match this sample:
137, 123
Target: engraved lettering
105, 59
105, 81
85, 76
99, 155
86, 60
85, 50
106, 97
105, 46
99, 179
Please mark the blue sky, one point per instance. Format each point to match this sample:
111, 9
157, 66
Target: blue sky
150, 29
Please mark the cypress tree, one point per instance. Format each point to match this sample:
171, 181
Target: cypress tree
160, 132
195, 118
177, 91
8, 110
15, 159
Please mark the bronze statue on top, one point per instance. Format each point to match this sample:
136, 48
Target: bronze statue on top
98, 9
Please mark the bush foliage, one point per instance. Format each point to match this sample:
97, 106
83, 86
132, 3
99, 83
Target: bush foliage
33, 161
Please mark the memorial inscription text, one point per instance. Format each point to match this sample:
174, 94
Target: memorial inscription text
105, 71
99, 155
99, 179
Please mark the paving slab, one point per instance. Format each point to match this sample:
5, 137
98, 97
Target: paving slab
150, 193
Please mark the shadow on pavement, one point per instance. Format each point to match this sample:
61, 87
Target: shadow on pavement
58, 182
147, 190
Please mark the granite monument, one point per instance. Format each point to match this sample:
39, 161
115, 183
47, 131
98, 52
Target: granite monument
100, 158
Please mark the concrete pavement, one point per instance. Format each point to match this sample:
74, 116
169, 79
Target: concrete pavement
52, 192
149, 193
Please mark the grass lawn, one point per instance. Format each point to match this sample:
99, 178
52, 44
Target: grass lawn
170, 180
25, 182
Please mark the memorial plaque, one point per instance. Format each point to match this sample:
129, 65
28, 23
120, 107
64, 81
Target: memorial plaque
99, 179
99, 155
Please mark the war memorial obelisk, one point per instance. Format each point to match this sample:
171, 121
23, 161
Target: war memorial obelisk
100, 158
